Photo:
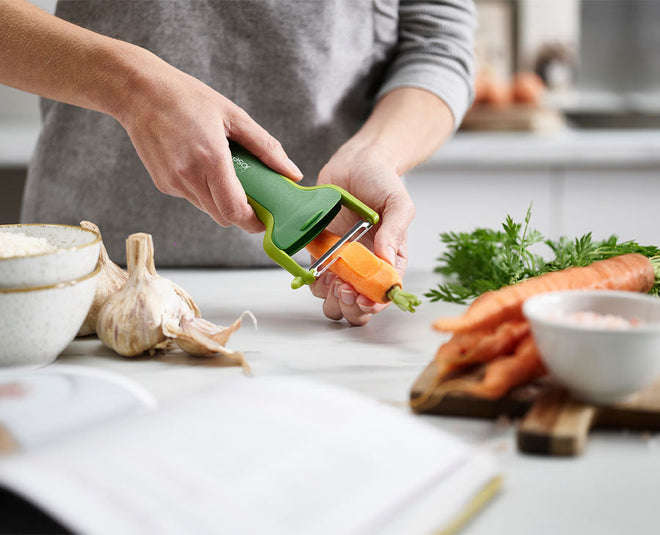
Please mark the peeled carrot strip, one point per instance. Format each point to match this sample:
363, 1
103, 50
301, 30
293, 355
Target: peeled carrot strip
631, 272
363, 270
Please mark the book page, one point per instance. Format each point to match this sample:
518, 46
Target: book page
262, 455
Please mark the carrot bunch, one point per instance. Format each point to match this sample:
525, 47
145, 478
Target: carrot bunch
493, 331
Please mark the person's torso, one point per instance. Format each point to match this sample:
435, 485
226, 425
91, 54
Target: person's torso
306, 71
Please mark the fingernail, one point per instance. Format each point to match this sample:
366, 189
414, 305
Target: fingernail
347, 297
294, 167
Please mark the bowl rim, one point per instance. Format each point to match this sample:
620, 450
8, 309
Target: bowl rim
59, 250
535, 316
57, 285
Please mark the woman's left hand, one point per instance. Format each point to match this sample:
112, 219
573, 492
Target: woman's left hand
369, 173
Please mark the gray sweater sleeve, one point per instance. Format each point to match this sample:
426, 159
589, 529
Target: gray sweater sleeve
435, 51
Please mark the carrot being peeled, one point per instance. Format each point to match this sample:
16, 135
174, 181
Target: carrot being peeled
630, 272
370, 275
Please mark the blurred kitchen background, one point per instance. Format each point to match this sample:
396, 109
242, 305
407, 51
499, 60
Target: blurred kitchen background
567, 120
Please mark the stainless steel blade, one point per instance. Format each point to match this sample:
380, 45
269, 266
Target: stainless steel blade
331, 255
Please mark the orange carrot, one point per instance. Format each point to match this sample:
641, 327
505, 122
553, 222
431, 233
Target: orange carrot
464, 349
500, 376
363, 270
507, 372
631, 272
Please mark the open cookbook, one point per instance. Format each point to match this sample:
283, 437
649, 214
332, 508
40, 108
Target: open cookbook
261, 455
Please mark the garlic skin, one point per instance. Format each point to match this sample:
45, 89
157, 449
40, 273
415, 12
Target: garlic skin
199, 337
130, 322
111, 278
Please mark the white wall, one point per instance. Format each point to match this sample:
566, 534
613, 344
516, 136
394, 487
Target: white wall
566, 201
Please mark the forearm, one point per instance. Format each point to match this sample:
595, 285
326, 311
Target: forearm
50, 57
407, 125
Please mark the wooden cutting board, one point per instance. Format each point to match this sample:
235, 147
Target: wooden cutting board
550, 421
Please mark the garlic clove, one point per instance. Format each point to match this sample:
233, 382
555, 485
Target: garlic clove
130, 322
200, 337
219, 334
183, 295
111, 278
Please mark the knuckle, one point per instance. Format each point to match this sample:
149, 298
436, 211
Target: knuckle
201, 163
398, 235
235, 214
235, 117
168, 185
273, 145
231, 214
189, 168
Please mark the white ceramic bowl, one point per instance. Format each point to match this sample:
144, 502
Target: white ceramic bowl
36, 324
597, 364
77, 255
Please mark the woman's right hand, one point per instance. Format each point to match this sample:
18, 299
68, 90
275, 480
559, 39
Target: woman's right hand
180, 128
178, 125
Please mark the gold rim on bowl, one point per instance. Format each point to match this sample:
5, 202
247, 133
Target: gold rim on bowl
59, 249
57, 285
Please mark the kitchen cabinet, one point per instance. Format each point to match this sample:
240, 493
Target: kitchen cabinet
460, 200
611, 201
604, 182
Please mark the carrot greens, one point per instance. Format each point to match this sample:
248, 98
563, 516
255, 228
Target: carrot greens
487, 259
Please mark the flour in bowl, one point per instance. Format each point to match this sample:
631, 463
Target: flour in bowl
20, 244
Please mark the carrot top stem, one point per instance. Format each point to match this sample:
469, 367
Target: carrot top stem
404, 300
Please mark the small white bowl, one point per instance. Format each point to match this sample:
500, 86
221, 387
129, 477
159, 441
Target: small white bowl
76, 256
36, 324
597, 364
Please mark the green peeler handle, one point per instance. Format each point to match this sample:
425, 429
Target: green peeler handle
262, 185
293, 215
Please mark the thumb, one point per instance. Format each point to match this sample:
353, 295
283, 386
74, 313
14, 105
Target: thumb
390, 239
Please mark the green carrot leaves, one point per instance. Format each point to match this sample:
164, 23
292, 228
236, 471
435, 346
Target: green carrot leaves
485, 259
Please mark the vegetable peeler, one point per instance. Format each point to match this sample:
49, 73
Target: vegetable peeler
294, 215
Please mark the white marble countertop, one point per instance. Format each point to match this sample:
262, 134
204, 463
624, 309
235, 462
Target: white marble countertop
611, 488
567, 147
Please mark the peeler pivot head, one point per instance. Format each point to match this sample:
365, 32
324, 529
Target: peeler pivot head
293, 215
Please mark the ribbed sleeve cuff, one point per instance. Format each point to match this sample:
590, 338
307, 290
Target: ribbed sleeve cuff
441, 81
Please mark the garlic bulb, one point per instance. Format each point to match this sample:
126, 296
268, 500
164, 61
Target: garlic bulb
130, 322
197, 336
111, 278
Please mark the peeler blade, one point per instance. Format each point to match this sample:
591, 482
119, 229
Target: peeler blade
332, 255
